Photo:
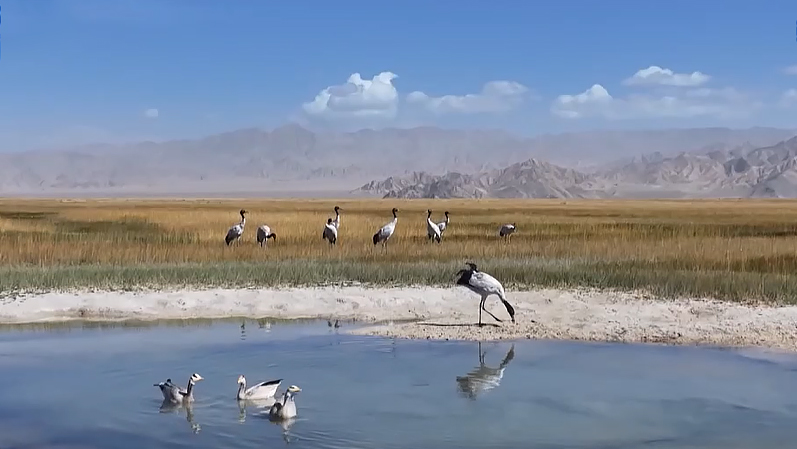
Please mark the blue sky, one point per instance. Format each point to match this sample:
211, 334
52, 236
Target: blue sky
78, 71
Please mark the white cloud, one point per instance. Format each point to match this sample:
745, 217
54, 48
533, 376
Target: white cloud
789, 98
495, 96
701, 102
790, 70
375, 98
151, 113
655, 75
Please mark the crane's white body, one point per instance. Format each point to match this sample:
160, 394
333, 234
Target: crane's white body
507, 230
236, 231
336, 221
330, 232
432, 230
385, 232
443, 225
263, 234
262, 390
484, 285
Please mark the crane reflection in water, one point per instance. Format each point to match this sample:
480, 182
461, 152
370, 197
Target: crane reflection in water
483, 378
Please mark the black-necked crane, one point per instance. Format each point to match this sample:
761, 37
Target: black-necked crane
432, 231
264, 233
385, 232
336, 221
330, 232
484, 285
507, 230
443, 224
236, 231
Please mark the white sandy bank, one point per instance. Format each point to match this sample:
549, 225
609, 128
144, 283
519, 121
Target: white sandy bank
444, 313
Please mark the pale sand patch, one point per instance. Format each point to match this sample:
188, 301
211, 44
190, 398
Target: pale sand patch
548, 313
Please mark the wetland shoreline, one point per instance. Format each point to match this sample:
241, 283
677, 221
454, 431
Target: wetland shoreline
437, 313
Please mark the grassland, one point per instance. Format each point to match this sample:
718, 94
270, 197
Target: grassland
729, 249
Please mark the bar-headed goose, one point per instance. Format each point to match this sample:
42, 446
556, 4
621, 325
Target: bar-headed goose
262, 390
176, 395
285, 408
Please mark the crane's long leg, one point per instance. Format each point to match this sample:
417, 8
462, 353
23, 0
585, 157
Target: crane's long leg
490, 313
481, 307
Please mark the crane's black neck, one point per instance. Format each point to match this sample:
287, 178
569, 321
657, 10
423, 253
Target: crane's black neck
464, 278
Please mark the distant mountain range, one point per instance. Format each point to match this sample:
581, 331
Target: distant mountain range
716, 171
594, 163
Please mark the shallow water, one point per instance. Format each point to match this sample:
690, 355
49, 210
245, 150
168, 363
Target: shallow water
92, 388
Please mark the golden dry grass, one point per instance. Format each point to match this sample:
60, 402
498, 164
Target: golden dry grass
723, 248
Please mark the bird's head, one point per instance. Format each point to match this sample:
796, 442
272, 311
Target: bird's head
294, 389
429, 212
337, 209
472, 266
446, 213
329, 221
395, 210
243, 212
241, 379
196, 377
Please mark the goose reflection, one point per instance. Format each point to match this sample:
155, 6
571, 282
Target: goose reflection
483, 378
170, 407
286, 425
259, 405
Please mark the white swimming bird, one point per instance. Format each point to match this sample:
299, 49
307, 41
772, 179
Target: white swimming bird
285, 408
485, 285
336, 221
432, 230
236, 231
507, 230
264, 233
483, 378
330, 232
443, 224
384, 233
177, 395
262, 390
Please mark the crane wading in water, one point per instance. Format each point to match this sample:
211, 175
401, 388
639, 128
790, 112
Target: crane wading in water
384, 233
485, 285
237, 230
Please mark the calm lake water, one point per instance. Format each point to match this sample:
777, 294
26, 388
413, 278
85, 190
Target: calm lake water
92, 388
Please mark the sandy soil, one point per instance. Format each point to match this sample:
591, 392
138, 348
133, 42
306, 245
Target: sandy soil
444, 313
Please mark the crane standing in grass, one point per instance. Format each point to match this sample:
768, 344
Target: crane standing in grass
443, 224
385, 232
264, 233
507, 230
484, 285
236, 231
432, 230
330, 232
336, 221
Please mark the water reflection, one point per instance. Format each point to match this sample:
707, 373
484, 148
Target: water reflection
258, 405
187, 407
483, 378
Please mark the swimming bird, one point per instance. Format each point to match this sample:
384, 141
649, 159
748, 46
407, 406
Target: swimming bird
176, 395
483, 378
443, 224
264, 233
432, 231
507, 230
286, 407
336, 221
485, 285
384, 233
262, 390
236, 231
330, 232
